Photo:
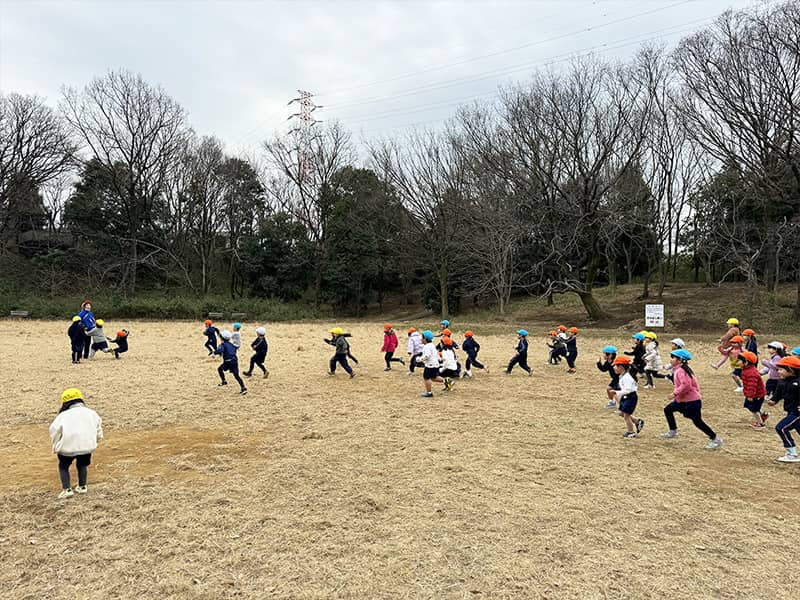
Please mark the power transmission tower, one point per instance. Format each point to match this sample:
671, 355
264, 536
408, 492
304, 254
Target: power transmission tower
304, 122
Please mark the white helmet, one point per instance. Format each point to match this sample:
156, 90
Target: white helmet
776, 345
679, 342
226, 335
261, 331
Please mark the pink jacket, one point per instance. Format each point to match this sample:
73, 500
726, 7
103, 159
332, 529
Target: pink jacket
686, 387
389, 342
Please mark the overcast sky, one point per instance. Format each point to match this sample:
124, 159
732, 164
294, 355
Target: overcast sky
378, 67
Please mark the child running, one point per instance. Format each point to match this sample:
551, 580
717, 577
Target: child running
677, 344
754, 389
776, 352
606, 365
260, 348
521, 356
75, 433
430, 358
230, 362
76, 337
652, 360
99, 339
121, 340
414, 349
733, 329
572, 349
450, 368
390, 344
686, 399
211, 334
627, 396
637, 352
339, 341
558, 349
750, 341
731, 354
236, 336
789, 392
471, 347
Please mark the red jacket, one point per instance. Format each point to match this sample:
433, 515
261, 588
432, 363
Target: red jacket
389, 342
752, 384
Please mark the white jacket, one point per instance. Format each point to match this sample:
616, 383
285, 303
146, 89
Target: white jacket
236, 338
651, 357
76, 431
430, 356
415, 343
449, 360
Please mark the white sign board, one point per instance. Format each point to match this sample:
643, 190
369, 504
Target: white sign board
653, 315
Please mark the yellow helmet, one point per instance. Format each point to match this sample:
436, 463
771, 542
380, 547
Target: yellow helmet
337, 331
71, 394
100, 322
732, 321
650, 335
75, 319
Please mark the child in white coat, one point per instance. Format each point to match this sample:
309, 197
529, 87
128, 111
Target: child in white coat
75, 433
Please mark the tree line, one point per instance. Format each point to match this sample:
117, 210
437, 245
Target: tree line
602, 172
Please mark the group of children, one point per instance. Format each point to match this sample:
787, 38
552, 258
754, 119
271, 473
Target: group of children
563, 344
87, 337
782, 369
226, 344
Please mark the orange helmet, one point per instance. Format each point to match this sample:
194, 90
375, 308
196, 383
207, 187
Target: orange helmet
447, 341
468, 334
387, 326
207, 322
791, 362
749, 357
552, 332
562, 327
411, 330
573, 330
122, 334
622, 360
748, 332
737, 339
447, 332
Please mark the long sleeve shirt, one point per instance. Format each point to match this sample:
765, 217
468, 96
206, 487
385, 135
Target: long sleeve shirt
789, 392
259, 346
686, 387
752, 384
389, 342
430, 356
627, 385
76, 431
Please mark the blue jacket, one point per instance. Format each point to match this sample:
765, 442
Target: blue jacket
522, 346
211, 333
260, 346
228, 352
471, 347
87, 319
752, 346
572, 344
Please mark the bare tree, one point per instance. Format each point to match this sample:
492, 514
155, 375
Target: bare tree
135, 131
36, 147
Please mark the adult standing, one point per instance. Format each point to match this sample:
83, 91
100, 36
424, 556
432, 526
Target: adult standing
89, 323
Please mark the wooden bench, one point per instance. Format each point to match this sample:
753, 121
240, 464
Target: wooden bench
215, 315
19, 314
238, 316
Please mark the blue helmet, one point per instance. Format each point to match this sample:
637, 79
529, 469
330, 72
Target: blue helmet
681, 353
444, 323
638, 336
609, 350
237, 325
522, 332
428, 335
796, 351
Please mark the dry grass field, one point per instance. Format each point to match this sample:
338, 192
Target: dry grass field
317, 487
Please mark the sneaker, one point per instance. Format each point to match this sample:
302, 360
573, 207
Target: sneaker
785, 458
426, 395
223, 383
713, 444
67, 493
330, 374
738, 390
243, 392
639, 425
388, 369
764, 417
81, 489
530, 373
247, 373
611, 404
649, 387
486, 370
629, 434
758, 425
402, 362
353, 374
670, 434
410, 373
571, 371
450, 385
265, 375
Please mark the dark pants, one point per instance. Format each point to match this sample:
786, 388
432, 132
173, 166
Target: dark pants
82, 462
389, 358
351, 357
571, 356
87, 345
211, 345
785, 425
118, 351
412, 364
233, 369
472, 359
342, 360
521, 360
652, 373
77, 350
257, 360
691, 410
